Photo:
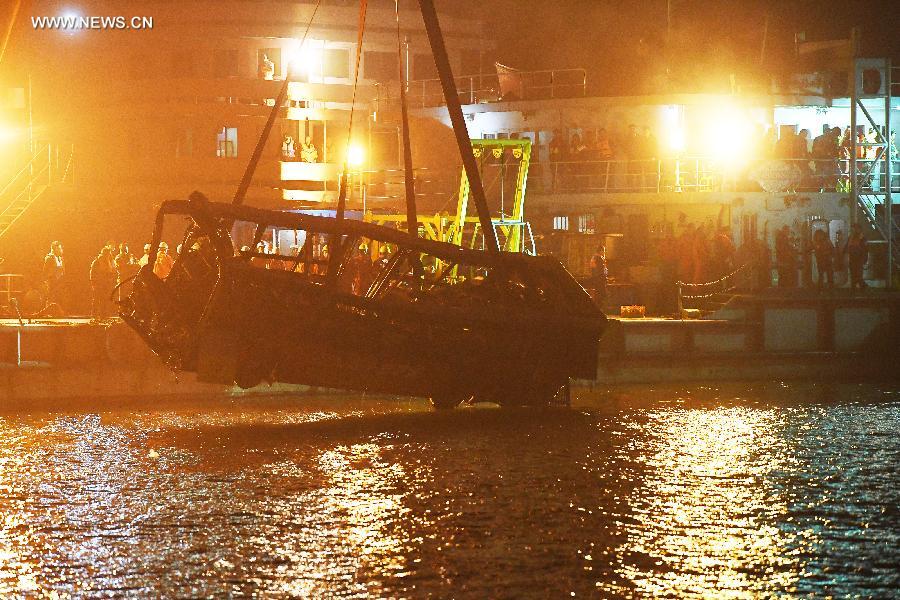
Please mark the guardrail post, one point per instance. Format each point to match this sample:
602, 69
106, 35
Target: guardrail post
677, 174
679, 304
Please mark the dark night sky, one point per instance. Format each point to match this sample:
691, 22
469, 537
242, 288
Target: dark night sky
622, 43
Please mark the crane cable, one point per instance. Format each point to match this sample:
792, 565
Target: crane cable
12, 22
412, 222
361, 29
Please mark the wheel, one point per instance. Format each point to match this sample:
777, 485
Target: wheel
246, 379
249, 375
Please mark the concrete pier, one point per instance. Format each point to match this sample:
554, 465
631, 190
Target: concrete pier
760, 337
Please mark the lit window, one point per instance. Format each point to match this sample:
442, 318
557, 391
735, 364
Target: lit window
561, 223
226, 142
586, 223
268, 63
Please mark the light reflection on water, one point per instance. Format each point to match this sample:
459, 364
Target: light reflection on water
740, 491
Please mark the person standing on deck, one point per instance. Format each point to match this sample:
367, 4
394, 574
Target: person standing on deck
599, 275
785, 258
722, 253
823, 250
287, 148
857, 255
163, 265
308, 152
52, 273
701, 251
685, 252
126, 266
103, 279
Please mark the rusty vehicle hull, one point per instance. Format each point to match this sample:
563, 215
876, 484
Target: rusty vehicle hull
504, 327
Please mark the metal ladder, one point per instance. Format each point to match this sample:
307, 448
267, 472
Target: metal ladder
48, 165
868, 204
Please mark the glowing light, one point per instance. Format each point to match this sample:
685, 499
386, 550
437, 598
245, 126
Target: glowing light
728, 133
70, 18
677, 141
7, 133
673, 118
306, 59
356, 156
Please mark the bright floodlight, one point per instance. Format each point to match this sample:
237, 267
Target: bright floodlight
677, 140
356, 156
727, 134
673, 122
305, 59
7, 133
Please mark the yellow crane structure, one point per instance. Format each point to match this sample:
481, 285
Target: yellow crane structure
512, 230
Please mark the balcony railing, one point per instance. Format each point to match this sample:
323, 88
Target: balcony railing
678, 175
707, 174
474, 89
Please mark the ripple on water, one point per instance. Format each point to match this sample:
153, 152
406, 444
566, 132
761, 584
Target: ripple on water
738, 491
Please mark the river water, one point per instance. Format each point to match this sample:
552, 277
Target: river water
736, 491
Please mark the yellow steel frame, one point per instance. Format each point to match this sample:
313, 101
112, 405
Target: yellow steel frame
444, 228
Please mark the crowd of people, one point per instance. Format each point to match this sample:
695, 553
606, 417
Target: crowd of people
824, 161
848, 255
698, 255
702, 262
308, 152
636, 146
592, 159
114, 265
356, 276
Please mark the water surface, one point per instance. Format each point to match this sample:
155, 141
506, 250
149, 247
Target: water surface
745, 490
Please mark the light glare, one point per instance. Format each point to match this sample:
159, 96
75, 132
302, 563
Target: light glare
305, 59
728, 135
356, 155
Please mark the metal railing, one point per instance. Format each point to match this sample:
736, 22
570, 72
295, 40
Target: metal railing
714, 294
706, 174
385, 185
688, 174
474, 89
49, 164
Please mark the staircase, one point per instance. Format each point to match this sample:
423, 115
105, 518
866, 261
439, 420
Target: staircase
873, 215
47, 166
